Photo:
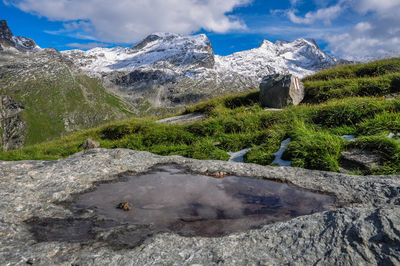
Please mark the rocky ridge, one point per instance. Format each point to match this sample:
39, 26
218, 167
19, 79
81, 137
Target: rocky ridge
169, 70
15, 43
364, 230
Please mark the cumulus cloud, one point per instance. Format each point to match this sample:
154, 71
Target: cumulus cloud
376, 37
131, 20
86, 46
374, 34
324, 14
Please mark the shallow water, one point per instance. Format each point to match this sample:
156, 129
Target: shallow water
170, 198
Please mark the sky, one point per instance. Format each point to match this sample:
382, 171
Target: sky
350, 29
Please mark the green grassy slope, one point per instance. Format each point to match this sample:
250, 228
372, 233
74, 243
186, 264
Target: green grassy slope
237, 122
57, 98
377, 78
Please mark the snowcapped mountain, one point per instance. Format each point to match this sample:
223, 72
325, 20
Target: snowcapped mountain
168, 70
14, 43
301, 57
160, 50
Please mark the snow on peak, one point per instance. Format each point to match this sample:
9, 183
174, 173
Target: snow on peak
300, 57
192, 56
167, 49
16, 43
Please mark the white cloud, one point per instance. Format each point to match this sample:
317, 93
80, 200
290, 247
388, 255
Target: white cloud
374, 35
363, 27
378, 6
85, 46
324, 14
131, 20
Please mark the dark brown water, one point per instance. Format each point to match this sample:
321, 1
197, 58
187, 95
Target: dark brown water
169, 198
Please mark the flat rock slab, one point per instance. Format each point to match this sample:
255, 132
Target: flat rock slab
183, 119
359, 159
366, 231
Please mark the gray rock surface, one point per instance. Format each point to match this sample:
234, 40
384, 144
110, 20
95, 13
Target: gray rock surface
277, 91
183, 119
366, 231
12, 128
357, 159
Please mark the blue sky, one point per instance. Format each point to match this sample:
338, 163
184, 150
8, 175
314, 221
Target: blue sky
351, 29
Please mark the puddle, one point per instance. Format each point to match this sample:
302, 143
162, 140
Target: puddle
171, 199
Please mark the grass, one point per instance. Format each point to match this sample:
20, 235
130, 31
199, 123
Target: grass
378, 78
56, 104
236, 122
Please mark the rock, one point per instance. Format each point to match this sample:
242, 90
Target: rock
277, 91
5, 32
12, 128
356, 159
364, 230
124, 206
183, 119
7, 40
218, 174
90, 144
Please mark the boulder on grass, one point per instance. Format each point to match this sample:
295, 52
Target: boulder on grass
90, 144
277, 91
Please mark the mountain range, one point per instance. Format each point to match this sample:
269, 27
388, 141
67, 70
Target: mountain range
169, 70
58, 92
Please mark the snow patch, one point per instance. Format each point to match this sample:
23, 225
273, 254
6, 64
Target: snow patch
349, 137
392, 135
278, 155
238, 156
273, 109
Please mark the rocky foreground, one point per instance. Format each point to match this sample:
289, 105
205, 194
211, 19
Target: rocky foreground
365, 229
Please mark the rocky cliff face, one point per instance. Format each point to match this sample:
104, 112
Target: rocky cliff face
12, 128
169, 70
10, 42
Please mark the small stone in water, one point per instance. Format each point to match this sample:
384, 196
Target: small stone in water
218, 174
124, 206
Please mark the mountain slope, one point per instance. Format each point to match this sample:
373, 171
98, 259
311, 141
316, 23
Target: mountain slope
319, 133
45, 95
168, 70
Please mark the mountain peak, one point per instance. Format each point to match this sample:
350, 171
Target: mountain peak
306, 41
266, 43
8, 40
5, 32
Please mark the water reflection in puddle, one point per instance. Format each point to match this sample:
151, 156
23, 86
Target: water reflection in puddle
172, 199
